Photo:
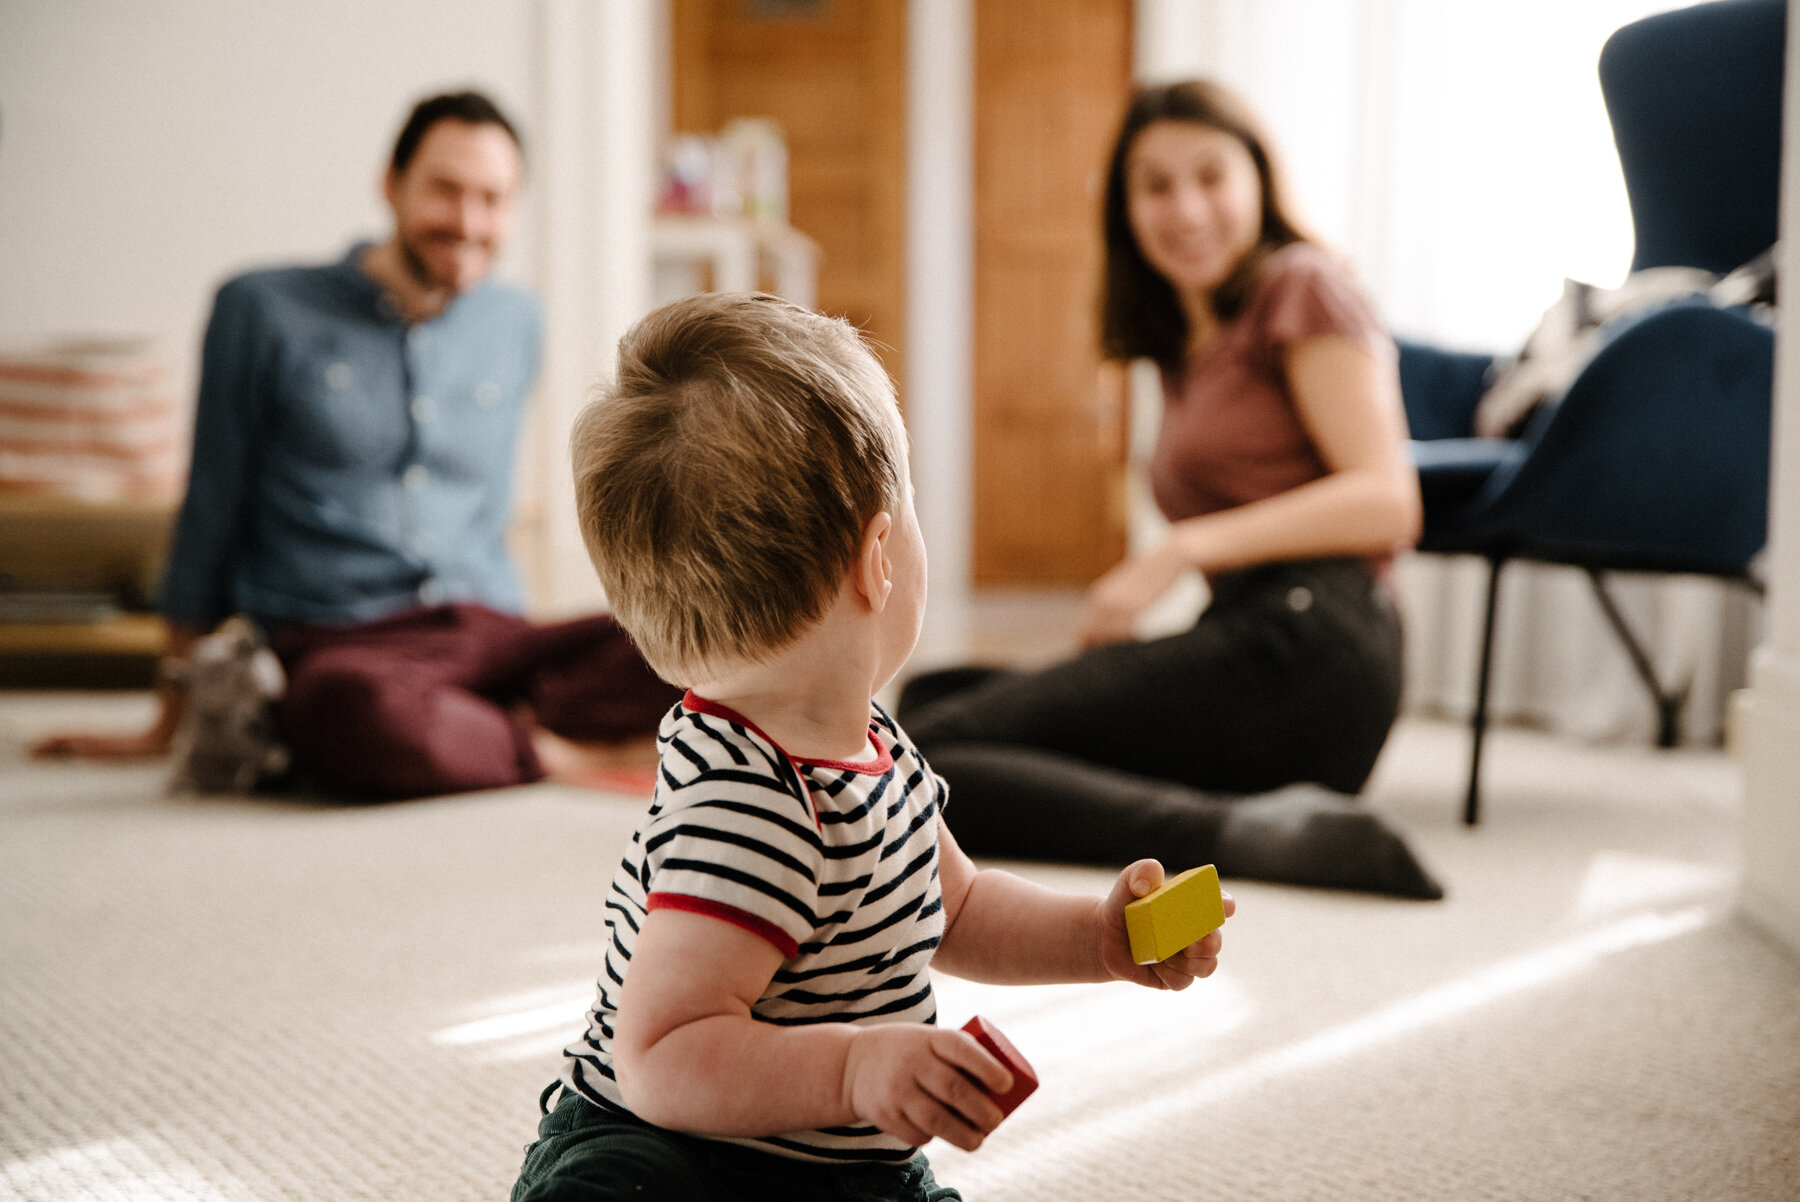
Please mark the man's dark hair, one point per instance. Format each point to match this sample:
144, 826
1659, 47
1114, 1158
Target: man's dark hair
472, 108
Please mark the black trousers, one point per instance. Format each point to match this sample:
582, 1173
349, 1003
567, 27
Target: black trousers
1292, 675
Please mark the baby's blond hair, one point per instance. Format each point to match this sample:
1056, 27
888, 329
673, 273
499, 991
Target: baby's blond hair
724, 478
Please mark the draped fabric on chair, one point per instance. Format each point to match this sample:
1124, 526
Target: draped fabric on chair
1656, 457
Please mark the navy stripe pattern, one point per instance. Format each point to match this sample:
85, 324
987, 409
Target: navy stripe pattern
837, 864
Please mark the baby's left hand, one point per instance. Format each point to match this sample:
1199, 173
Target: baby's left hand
1197, 959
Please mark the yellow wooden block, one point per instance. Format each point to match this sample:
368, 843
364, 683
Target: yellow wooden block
1167, 919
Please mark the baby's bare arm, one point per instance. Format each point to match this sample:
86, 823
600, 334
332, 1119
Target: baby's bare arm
690, 1057
1006, 930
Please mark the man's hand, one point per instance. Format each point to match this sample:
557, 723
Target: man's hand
171, 701
146, 745
920, 1083
1198, 959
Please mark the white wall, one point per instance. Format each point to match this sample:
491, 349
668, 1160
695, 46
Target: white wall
940, 301
149, 150
1458, 153
600, 88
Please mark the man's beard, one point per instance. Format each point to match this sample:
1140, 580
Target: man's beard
418, 269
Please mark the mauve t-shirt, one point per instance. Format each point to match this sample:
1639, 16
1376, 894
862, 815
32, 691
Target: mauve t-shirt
1230, 431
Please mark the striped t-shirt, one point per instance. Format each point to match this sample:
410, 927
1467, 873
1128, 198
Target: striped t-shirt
834, 863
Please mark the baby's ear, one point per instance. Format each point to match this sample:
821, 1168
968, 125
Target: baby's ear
872, 573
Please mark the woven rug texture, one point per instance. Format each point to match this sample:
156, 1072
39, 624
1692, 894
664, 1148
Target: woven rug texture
246, 999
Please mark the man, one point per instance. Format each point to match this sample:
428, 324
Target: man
350, 492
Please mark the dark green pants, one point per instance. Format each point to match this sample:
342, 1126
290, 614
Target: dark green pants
587, 1154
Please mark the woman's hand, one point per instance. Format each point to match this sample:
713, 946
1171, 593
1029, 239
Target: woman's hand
1119, 597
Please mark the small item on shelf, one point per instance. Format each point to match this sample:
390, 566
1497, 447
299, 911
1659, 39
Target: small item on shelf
740, 174
687, 188
750, 178
40, 608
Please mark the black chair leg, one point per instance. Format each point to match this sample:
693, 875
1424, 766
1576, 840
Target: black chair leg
1668, 703
1478, 720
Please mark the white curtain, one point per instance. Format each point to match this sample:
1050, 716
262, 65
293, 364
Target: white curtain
1459, 155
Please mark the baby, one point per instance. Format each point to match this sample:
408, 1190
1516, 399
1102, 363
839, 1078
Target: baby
765, 1025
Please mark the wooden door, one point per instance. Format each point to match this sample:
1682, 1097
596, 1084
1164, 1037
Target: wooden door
1051, 81
833, 74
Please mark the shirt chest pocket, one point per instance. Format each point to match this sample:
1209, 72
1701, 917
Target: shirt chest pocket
340, 408
466, 398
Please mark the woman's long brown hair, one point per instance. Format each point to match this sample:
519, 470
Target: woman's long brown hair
1140, 316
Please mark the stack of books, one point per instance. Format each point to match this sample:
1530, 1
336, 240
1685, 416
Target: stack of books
90, 419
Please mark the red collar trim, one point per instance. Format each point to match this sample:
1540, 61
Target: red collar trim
883, 762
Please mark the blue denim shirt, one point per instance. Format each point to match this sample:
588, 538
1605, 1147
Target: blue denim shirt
348, 466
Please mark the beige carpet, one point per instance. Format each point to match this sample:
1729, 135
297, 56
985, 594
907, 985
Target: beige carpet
224, 1000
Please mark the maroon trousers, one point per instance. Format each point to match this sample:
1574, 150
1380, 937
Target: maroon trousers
442, 700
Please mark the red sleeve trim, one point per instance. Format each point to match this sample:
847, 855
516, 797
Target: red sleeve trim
760, 927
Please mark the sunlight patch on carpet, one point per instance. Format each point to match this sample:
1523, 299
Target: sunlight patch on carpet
1618, 881
144, 1169
521, 1026
1118, 1128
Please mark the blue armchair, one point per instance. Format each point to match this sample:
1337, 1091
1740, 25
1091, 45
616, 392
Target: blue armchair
1656, 457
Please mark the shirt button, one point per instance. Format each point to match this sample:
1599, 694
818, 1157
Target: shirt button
487, 394
431, 592
338, 376
423, 409
1299, 599
417, 337
415, 478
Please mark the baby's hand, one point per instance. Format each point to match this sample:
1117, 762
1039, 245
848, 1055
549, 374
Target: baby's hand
919, 1083
1197, 959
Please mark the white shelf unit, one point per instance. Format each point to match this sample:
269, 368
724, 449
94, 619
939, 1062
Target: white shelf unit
699, 254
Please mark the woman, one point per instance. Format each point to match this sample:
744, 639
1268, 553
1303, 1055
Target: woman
1281, 466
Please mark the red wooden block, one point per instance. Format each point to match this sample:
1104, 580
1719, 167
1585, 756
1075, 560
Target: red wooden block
1001, 1048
